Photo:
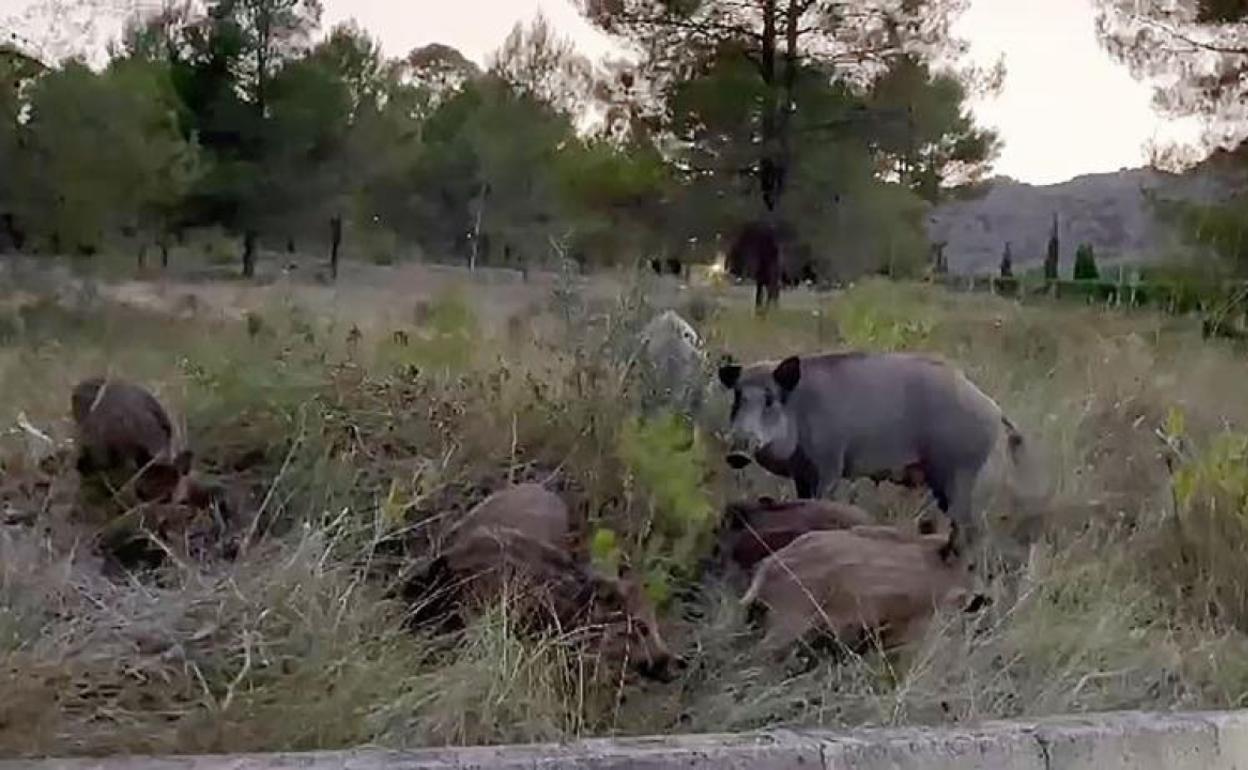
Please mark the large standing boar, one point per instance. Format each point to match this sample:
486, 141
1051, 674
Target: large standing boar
851, 584
896, 416
756, 253
514, 546
125, 433
756, 529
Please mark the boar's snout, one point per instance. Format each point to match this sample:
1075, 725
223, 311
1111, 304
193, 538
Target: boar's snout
738, 459
664, 668
977, 603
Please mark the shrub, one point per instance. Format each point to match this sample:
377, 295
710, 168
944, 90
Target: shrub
866, 322
666, 460
1210, 489
379, 246
1085, 264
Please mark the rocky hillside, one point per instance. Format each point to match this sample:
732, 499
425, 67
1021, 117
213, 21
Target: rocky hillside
1108, 211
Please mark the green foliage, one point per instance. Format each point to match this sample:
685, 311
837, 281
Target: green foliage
924, 130
231, 114
74, 194
867, 321
764, 118
616, 194
1218, 228
445, 340
1085, 263
1210, 487
666, 459
604, 551
378, 245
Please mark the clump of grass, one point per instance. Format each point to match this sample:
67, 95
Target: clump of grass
497, 685
280, 653
872, 318
446, 339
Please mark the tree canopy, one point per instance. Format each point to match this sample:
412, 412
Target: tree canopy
843, 121
1197, 50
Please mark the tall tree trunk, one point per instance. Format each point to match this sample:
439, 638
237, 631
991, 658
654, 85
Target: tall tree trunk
335, 241
476, 228
143, 255
249, 254
767, 65
793, 17
164, 252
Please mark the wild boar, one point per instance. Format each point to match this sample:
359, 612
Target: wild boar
528, 508
124, 433
513, 546
858, 583
885, 416
755, 530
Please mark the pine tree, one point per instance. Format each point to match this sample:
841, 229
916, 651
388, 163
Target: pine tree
1007, 262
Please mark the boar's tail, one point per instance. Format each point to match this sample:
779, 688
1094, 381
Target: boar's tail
756, 585
1028, 477
1014, 439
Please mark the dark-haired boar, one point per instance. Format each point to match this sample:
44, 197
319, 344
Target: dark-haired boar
514, 545
125, 433
754, 530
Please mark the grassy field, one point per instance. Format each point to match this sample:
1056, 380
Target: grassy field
1133, 592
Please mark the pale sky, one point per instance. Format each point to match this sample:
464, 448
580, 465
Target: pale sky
1066, 109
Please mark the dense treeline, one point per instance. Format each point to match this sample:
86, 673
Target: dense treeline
830, 119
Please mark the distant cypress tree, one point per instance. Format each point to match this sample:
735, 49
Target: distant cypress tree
1085, 263
1051, 259
940, 266
1007, 262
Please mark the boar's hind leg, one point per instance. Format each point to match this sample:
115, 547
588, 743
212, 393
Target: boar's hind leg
953, 490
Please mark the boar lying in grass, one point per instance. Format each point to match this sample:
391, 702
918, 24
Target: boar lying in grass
513, 548
858, 584
753, 530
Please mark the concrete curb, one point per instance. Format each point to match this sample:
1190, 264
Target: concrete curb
1111, 741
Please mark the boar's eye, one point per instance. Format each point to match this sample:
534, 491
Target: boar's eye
768, 400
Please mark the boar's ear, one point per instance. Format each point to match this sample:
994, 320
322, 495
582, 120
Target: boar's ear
729, 375
788, 373
949, 551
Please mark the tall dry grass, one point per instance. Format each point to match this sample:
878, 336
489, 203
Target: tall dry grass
1125, 590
